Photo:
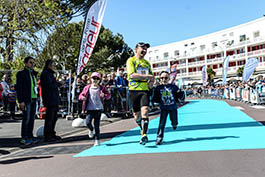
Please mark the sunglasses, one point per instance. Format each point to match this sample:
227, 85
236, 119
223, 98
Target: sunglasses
166, 78
95, 78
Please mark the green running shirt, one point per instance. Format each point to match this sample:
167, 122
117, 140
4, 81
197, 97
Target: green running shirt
140, 66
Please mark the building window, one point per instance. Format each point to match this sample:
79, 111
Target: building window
214, 44
165, 54
242, 38
256, 34
186, 45
202, 47
176, 52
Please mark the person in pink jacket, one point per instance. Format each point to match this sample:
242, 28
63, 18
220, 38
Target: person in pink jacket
93, 96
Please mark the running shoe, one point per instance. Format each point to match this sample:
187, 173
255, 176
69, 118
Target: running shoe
97, 143
159, 140
144, 139
174, 127
90, 134
26, 142
34, 140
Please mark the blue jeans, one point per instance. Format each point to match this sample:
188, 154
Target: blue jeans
28, 119
173, 115
95, 114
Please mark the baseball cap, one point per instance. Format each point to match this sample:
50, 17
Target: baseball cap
142, 44
95, 74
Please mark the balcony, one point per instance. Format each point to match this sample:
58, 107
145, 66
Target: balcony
182, 65
196, 63
181, 74
256, 52
160, 68
196, 73
215, 60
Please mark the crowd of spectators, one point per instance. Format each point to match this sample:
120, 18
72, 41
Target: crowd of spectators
218, 89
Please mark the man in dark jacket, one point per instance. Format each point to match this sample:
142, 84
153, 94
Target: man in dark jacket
26, 87
50, 97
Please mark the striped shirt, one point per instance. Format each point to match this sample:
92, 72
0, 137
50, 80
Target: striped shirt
12, 96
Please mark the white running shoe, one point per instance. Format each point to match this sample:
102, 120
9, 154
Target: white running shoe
97, 143
90, 134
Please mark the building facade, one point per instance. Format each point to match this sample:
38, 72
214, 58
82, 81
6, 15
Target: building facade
239, 43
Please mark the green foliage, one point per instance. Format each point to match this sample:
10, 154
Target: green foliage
239, 71
210, 73
65, 43
21, 21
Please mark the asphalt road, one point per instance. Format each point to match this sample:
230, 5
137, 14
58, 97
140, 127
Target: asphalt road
57, 159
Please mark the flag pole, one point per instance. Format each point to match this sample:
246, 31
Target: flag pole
90, 32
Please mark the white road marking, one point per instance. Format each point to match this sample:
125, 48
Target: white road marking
239, 107
258, 107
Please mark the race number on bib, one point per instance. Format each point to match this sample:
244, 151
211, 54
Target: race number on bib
141, 70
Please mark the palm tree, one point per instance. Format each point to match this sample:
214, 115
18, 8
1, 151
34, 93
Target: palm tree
210, 73
239, 71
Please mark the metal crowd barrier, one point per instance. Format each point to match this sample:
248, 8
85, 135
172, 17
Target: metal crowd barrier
248, 95
121, 102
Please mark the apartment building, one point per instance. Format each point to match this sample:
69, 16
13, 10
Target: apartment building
239, 42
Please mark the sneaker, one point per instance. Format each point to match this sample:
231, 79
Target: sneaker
34, 140
159, 140
49, 140
57, 137
144, 139
174, 127
97, 143
90, 134
26, 142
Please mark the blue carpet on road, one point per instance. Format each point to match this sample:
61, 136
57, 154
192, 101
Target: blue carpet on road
204, 125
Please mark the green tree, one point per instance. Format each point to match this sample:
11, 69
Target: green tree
239, 71
210, 73
110, 51
22, 21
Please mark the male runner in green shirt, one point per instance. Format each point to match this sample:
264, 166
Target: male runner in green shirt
140, 77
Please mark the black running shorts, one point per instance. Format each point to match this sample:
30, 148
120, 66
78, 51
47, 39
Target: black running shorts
139, 99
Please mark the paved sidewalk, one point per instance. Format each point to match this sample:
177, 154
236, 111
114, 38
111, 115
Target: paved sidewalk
10, 132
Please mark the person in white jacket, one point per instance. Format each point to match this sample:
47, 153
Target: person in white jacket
6, 88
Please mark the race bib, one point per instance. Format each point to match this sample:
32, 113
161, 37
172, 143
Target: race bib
141, 70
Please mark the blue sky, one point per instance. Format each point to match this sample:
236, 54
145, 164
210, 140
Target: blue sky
160, 22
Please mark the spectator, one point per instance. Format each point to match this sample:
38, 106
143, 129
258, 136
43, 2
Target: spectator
84, 79
92, 96
50, 97
124, 76
5, 86
12, 96
121, 88
1, 92
79, 87
107, 102
26, 87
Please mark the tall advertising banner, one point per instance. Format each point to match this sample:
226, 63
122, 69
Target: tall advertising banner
204, 75
91, 29
90, 34
225, 69
249, 68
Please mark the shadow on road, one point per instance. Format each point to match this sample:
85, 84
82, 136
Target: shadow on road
14, 142
11, 161
199, 139
4, 152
